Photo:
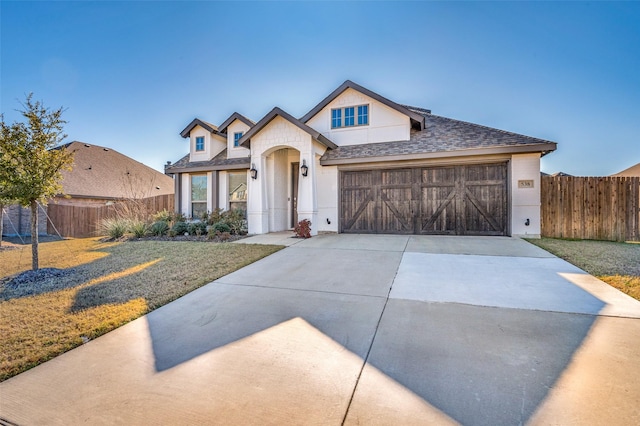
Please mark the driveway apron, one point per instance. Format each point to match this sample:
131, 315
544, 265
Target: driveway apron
355, 329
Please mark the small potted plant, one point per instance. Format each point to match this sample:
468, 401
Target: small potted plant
303, 229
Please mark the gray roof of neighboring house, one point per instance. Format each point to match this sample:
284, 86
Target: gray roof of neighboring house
416, 117
197, 122
235, 116
100, 172
245, 141
219, 162
441, 137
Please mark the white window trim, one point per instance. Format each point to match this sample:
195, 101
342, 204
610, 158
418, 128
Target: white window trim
355, 117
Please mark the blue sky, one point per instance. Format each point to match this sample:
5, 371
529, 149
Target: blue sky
132, 75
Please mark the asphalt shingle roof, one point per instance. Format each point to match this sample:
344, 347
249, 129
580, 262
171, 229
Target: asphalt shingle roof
219, 162
100, 172
440, 135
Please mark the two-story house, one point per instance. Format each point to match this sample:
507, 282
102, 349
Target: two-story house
358, 162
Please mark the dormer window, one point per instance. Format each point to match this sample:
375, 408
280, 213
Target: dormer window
199, 143
353, 116
236, 138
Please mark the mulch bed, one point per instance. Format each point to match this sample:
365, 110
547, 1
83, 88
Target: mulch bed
202, 238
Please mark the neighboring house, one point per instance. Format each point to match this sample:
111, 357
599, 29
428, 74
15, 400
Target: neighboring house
633, 171
100, 177
360, 163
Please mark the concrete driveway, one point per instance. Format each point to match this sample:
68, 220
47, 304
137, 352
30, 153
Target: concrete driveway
353, 329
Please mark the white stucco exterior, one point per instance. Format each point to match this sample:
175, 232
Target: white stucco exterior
213, 144
266, 209
236, 151
385, 124
525, 198
327, 178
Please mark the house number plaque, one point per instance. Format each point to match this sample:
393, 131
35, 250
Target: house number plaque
525, 184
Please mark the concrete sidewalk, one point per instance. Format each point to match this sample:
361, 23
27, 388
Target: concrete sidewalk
354, 329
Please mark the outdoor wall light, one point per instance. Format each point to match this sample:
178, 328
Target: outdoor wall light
253, 172
526, 222
304, 169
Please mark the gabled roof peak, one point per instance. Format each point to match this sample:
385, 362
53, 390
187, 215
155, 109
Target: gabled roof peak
417, 119
232, 118
197, 122
245, 140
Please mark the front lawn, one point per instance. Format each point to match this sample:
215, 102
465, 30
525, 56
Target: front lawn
103, 286
617, 264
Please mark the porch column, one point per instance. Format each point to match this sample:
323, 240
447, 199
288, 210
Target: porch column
307, 192
213, 191
177, 194
257, 204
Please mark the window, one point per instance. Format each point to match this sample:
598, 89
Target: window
199, 143
236, 137
350, 116
336, 118
198, 195
238, 191
363, 115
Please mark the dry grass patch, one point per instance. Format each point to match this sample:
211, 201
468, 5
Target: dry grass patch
625, 283
109, 285
617, 264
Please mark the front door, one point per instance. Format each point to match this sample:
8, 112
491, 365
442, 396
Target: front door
295, 172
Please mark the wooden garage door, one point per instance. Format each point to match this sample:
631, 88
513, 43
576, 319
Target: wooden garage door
456, 200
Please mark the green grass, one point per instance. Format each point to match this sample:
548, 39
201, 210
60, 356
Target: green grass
112, 284
617, 264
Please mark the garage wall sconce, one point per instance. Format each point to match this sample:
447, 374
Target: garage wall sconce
527, 222
253, 172
304, 168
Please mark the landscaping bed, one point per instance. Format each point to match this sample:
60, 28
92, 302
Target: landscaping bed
617, 264
95, 286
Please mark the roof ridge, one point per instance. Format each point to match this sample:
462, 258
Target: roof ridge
416, 109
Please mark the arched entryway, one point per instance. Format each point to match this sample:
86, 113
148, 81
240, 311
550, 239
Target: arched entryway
282, 175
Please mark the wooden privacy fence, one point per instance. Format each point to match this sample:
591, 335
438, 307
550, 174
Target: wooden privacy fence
82, 220
591, 208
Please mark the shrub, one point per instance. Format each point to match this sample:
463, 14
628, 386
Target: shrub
179, 228
163, 216
113, 227
197, 228
235, 220
179, 217
215, 216
303, 229
159, 228
138, 228
221, 227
